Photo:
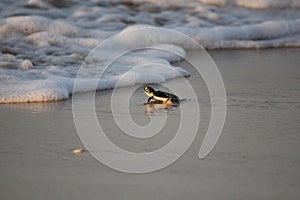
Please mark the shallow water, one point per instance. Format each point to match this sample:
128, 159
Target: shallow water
256, 157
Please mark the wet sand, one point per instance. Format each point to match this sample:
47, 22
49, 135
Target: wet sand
257, 156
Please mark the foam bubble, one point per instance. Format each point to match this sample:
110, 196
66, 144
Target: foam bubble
26, 64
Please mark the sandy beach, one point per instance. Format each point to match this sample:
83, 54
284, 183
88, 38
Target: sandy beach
256, 157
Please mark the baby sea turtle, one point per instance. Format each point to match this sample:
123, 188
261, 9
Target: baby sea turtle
160, 96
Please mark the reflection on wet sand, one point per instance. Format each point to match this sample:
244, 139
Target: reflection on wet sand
151, 108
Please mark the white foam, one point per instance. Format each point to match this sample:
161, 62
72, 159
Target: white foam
33, 91
256, 4
281, 33
56, 83
32, 24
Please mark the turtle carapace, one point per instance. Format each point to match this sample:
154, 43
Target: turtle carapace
160, 96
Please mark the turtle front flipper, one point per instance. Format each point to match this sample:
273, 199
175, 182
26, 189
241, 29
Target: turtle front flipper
149, 99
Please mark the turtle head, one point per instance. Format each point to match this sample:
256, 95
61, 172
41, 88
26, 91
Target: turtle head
149, 91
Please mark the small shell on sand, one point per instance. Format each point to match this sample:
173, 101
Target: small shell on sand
78, 151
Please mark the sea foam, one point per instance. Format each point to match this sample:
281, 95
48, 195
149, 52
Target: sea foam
256, 4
